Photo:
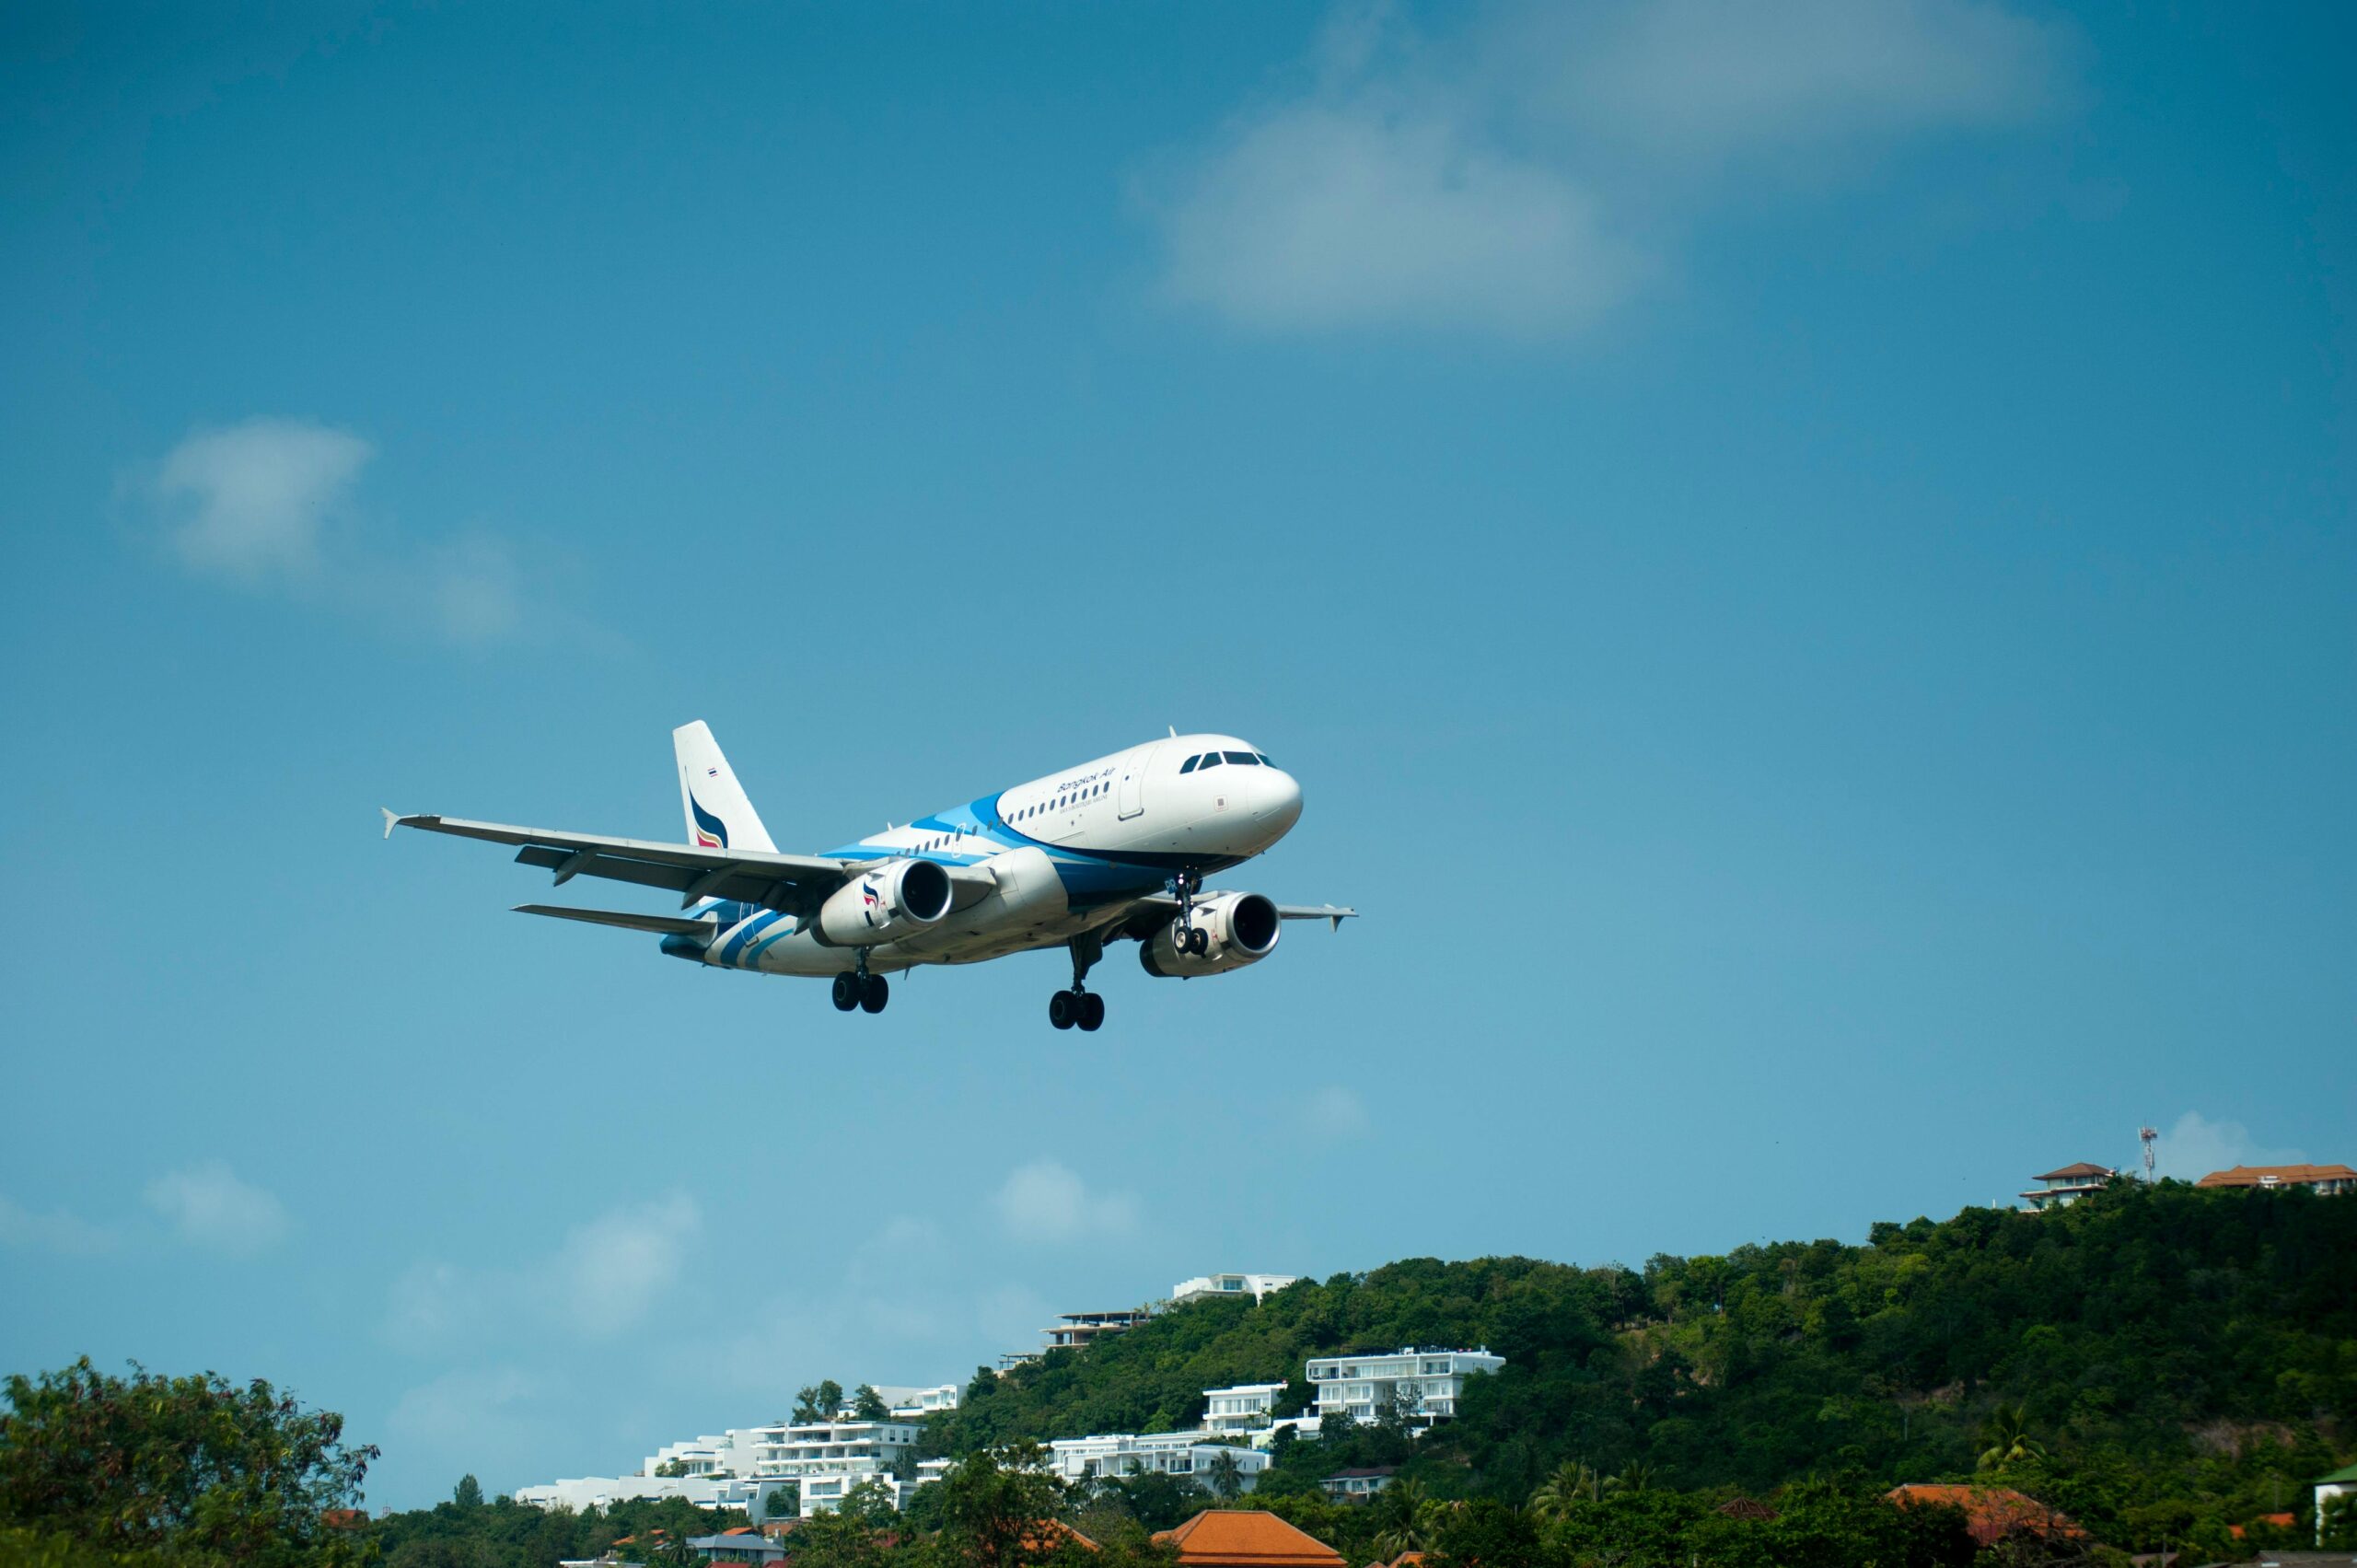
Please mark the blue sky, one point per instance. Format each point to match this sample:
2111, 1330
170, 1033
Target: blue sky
1803, 556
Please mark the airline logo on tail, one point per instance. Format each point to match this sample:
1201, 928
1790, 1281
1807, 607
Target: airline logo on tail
711, 832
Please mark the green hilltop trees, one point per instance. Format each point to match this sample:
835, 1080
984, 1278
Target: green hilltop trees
2158, 1363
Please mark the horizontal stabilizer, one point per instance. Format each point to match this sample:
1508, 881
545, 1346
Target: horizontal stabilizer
661, 925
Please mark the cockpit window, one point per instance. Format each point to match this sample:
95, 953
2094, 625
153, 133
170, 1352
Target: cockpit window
1243, 759
1264, 758
1189, 765
1211, 759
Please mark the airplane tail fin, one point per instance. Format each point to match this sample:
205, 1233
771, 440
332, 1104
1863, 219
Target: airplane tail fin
719, 816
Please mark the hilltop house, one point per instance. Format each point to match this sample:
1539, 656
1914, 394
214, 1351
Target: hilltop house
2324, 1179
2061, 1189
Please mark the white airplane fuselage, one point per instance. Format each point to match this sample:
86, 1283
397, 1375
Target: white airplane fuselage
1066, 851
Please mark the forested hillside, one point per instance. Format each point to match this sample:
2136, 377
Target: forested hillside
2153, 1357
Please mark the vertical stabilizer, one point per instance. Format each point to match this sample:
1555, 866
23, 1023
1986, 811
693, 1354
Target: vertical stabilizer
719, 816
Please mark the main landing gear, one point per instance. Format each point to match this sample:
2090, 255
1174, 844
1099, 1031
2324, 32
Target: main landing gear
859, 989
1080, 1005
1189, 937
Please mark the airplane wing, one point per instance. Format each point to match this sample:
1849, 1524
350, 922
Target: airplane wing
661, 925
793, 883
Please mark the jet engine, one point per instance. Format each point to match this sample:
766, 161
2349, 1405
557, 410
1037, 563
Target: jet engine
896, 900
1243, 929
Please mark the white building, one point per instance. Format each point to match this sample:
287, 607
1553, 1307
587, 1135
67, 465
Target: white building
2061, 1189
1255, 1285
1365, 1385
1239, 1411
826, 1459
704, 1492
1167, 1453
728, 1453
911, 1404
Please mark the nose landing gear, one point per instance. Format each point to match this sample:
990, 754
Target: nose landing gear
1080, 1005
1189, 937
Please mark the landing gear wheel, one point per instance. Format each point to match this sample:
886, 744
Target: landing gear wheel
846, 992
1199, 941
1061, 1010
874, 991
1092, 1012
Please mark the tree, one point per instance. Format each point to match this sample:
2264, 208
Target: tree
995, 1505
2006, 1441
984, 1385
822, 1401
190, 1465
467, 1494
786, 1500
869, 1405
1226, 1477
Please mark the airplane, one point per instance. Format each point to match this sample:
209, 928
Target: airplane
1105, 851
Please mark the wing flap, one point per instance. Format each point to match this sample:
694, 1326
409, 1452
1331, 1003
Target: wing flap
659, 924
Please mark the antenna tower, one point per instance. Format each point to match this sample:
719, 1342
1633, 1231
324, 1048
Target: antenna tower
2147, 1134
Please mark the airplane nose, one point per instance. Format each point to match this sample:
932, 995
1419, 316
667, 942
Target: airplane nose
1281, 803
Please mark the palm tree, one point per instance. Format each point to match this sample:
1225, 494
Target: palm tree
1571, 1483
1226, 1477
1636, 1476
2006, 1440
1414, 1518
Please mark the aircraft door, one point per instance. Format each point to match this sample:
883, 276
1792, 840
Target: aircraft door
1130, 800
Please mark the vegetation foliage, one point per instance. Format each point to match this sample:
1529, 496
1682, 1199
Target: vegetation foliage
2159, 1364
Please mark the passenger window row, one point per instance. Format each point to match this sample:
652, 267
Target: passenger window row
1060, 802
1211, 759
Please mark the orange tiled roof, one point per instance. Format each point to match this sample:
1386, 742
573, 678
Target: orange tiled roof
1247, 1538
2255, 1174
2281, 1521
1990, 1513
1049, 1534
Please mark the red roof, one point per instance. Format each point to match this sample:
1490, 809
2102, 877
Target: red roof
2281, 1521
2082, 1171
1990, 1513
1248, 1538
2276, 1175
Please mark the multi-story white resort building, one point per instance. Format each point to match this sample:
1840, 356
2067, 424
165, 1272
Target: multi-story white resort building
1078, 1330
826, 1459
911, 1404
704, 1492
1167, 1453
728, 1453
1431, 1381
1254, 1285
1240, 1410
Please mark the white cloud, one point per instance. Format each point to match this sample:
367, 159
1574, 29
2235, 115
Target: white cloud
270, 505
1525, 177
496, 1421
208, 1206
2197, 1145
1044, 1201
1336, 1113
1713, 77
606, 1276
610, 1273
252, 500
1357, 214
56, 1231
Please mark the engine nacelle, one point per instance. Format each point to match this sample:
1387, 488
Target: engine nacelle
896, 900
1243, 928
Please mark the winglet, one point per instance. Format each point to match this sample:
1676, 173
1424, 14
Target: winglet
392, 816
